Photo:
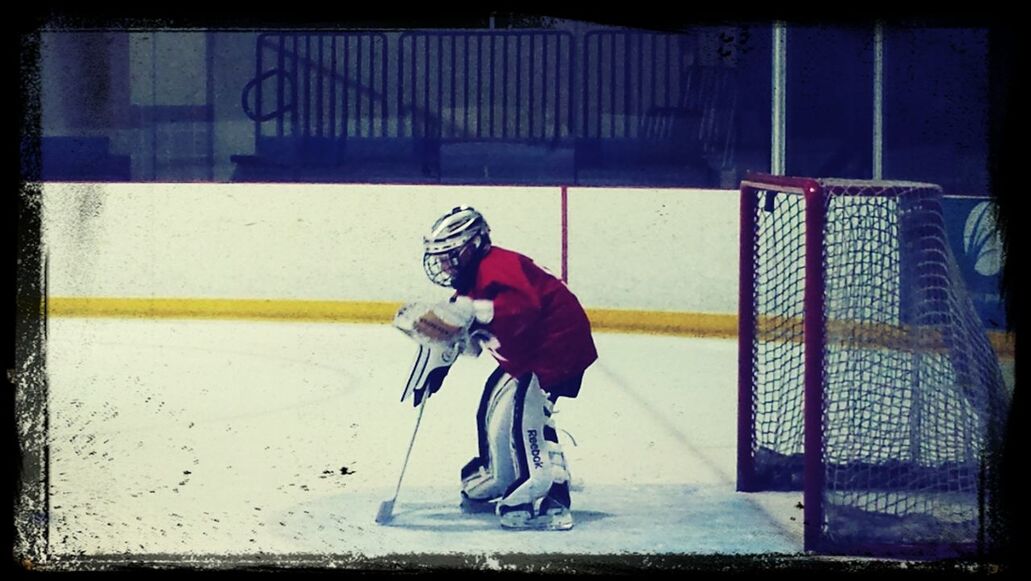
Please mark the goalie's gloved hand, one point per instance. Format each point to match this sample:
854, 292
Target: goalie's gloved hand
447, 321
433, 327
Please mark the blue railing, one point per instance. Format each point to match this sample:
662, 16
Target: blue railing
648, 87
343, 101
487, 85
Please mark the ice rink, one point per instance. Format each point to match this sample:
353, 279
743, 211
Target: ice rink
188, 437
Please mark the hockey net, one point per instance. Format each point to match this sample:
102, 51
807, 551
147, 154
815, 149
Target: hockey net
866, 377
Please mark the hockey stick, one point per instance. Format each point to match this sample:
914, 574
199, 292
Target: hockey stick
386, 508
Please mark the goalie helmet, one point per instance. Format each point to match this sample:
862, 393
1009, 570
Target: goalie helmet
455, 244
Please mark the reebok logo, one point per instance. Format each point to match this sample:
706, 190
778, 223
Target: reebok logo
535, 449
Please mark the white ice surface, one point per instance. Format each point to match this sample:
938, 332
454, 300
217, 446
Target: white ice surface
228, 438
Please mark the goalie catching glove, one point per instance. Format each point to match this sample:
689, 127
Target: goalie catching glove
443, 331
447, 323
431, 327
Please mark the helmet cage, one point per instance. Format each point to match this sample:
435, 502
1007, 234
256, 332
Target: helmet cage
444, 267
455, 242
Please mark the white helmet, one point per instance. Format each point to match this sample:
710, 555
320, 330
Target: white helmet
455, 243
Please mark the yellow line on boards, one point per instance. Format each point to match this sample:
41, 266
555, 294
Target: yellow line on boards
663, 322
247, 309
606, 320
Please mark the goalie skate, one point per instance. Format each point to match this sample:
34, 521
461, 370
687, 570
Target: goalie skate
547, 514
477, 506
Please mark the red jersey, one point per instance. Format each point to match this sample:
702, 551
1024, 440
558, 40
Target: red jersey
539, 324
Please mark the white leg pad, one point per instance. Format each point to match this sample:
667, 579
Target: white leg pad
536, 452
487, 478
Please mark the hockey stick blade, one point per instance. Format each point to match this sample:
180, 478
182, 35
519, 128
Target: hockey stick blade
386, 512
